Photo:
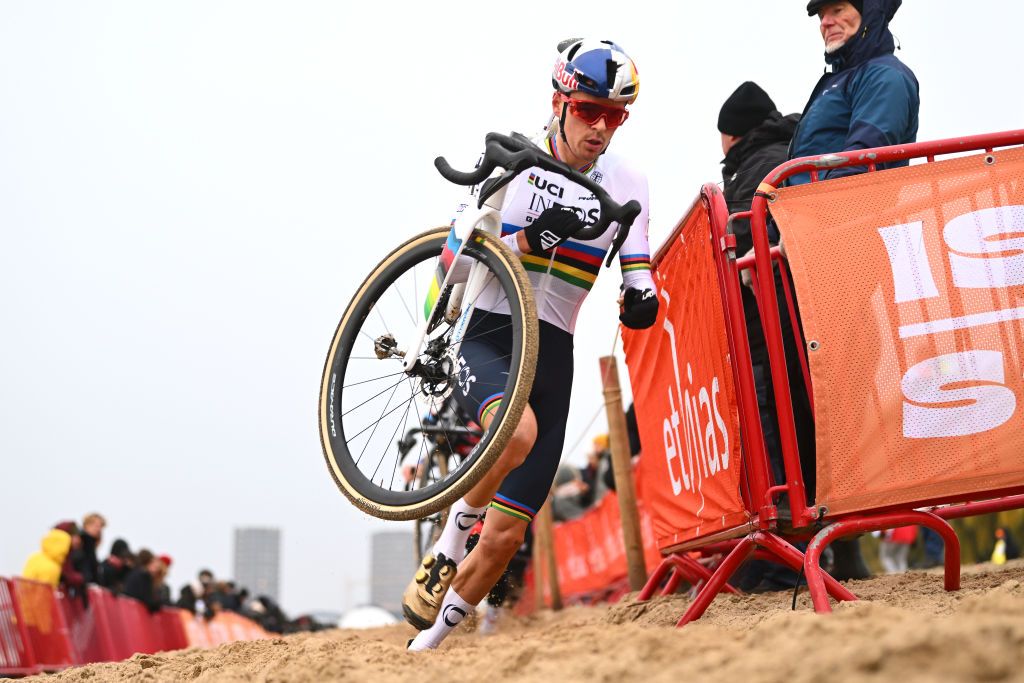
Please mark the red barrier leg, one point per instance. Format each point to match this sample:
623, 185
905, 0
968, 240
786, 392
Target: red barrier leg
717, 581
856, 525
794, 559
655, 579
673, 582
677, 567
699, 572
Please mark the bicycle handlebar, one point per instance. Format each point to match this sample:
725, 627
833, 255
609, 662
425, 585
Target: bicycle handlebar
515, 153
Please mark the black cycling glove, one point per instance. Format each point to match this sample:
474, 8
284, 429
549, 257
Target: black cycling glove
552, 227
639, 308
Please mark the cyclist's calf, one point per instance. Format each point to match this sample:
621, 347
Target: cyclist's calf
520, 445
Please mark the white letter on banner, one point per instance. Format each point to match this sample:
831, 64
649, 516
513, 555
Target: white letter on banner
670, 452
721, 424
670, 330
973, 233
911, 272
984, 407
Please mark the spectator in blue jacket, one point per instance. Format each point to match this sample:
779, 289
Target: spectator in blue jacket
869, 98
866, 99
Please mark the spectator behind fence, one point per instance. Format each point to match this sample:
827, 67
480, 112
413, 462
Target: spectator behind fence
84, 559
45, 564
164, 589
144, 581
593, 473
71, 580
894, 548
566, 491
870, 99
195, 596
635, 449
1005, 547
115, 569
225, 597
755, 139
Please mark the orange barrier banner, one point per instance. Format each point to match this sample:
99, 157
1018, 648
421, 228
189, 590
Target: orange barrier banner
689, 472
910, 283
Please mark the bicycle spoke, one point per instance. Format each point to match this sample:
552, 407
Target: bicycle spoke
384, 454
375, 379
412, 318
423, 441
377, 423
371, 398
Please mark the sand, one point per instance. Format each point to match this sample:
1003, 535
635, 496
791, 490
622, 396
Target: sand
906, 628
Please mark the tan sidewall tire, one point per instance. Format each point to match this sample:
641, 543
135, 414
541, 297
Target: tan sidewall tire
512, 406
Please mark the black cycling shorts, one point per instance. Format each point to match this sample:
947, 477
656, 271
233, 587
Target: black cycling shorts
484, 361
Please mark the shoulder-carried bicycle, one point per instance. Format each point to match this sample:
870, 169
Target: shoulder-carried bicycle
395, 354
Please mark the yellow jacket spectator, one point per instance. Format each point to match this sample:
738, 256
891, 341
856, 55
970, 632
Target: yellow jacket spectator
44, 565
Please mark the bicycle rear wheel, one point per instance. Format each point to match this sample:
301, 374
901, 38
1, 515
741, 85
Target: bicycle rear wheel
368, 401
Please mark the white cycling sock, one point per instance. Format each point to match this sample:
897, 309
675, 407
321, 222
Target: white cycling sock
461, 520
453, 610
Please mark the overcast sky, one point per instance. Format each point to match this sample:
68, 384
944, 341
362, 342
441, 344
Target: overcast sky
190, 192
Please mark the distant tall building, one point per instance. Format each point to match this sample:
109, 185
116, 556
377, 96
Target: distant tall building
258, 561
391, 566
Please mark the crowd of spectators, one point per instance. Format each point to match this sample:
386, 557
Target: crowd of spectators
68, 559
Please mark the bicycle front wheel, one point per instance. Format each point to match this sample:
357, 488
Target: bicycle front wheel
368, 400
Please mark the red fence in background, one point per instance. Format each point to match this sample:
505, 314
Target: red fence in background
41, 629
591, 555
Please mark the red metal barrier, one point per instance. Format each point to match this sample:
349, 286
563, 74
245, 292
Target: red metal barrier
849, 513
43, 630
591, 555
90, 636
16, 655
138, 626
170, 629
45, 625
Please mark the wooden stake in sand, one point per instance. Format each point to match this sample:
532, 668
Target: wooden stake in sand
623, 468
544, 539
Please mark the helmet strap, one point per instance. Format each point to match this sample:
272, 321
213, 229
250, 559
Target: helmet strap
561, 122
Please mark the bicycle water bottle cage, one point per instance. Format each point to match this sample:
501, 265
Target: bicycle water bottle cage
516, 153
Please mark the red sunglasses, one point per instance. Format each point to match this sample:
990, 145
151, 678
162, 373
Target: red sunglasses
590, 112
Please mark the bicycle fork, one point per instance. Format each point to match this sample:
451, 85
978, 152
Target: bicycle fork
465, 287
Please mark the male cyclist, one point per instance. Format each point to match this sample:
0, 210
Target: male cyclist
594, 81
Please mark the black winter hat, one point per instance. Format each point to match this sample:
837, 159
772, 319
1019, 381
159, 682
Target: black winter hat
814, 5
745, 109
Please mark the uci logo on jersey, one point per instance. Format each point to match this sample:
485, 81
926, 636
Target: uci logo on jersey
541, 184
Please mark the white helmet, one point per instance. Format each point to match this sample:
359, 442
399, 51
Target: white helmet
598, 67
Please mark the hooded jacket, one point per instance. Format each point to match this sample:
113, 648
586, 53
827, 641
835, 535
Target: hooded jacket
748, 162
870, 99
744, 167
44, 565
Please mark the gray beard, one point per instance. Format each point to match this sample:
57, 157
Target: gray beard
833, 46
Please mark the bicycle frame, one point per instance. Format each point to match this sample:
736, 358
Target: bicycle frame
485, 219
